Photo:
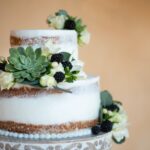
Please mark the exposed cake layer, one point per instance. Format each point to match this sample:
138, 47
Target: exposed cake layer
29, 128
64, 40
51, 107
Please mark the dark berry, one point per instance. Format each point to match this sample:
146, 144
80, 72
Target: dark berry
106, 126
70, 24
57, 58
113, 107
2, 66
59, 76
67, 64
96, 130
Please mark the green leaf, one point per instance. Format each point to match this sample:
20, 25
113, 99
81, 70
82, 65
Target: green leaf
120, 142
13, 51
30, 53
22, 59
61, 12
117, 102
10, 68
66, 56
20, 80
17, 75
21, 50
106, 98
38, 52
33, 83
75, 72
13, 60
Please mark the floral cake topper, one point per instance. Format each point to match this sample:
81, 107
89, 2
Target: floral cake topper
62, 20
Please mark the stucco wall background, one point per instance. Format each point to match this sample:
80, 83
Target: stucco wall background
119, 50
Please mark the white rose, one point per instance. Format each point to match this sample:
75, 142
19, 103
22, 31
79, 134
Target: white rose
57, 22
48, 81
85, 37
81, 75
57, 68
77, 65
6, 80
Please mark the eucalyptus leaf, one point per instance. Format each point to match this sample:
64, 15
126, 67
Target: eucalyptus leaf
106, 98
66, 56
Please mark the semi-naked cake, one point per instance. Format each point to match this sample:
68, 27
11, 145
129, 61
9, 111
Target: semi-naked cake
28, 109
45, 93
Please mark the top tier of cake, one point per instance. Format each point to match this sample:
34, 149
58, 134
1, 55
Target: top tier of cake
64, 40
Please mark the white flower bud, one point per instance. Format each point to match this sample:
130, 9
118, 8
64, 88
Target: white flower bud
105, 111
110, 113
55, 64
57, 22
59, 68
47, 81
6, 80
85, 37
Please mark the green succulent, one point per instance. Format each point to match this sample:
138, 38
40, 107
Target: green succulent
27, 65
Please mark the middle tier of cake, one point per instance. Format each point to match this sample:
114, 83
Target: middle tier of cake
37, 110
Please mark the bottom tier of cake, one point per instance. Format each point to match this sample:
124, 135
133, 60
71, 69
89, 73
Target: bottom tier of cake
31, 110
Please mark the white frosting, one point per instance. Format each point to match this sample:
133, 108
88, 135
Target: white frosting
82, 104
41, 33
76, 133
65, 40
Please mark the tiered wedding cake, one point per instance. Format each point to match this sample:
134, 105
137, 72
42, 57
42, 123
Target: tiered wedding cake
44, 91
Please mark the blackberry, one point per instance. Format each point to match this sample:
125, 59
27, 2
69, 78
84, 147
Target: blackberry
70, 24
57, 58
106, 126
2, 66
67, 64
112, 107
96, 130
59, 76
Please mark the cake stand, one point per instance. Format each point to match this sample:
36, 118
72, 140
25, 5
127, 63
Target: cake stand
99, 142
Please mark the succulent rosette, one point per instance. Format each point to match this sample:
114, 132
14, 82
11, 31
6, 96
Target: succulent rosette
62, 20
113, 118
42, 67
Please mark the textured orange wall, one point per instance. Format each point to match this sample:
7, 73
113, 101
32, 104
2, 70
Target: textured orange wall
119, 50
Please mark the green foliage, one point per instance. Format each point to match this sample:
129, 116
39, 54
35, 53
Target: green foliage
61, 12
120, 142
27, 65
106, 98
70, 76
79, 26
66, 56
